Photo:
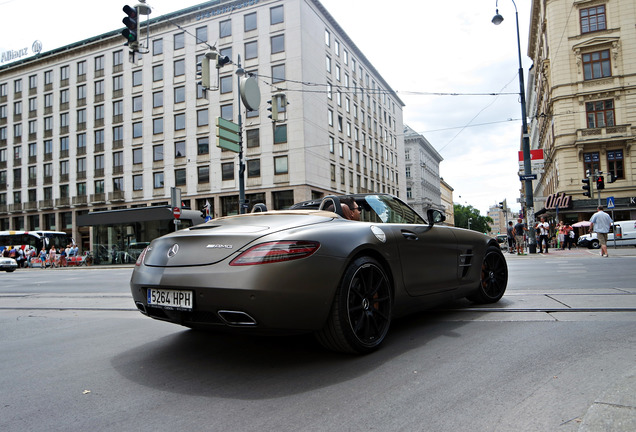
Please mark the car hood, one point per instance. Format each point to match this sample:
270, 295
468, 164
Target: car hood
218, 239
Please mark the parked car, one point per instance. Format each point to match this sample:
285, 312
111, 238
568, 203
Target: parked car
8, 264
625, 236
314, 271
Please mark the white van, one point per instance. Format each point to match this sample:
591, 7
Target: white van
625, 236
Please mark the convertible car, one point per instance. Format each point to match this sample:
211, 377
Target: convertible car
310, 269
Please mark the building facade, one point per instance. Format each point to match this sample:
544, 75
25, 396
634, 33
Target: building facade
87, 128
581, 105
422, 161
447, 202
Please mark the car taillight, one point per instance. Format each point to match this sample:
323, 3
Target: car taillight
141, 256
273, 252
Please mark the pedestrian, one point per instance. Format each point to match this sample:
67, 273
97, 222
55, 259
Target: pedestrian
519, 229
561, 234
510, 234
543, 229
600, 224
53, 256
572, 238
62, 257
43, 257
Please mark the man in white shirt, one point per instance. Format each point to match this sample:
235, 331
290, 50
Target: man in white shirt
600, 224
544, 232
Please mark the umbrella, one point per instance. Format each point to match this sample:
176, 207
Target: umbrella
582, 224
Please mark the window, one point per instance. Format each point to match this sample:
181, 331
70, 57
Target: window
179, 41
64, 96
180, 177
179, 149
138, 156
600, 113
278, 43
597, 65
157, 126
157, 153
157, 180
64, 120
179, 94
118, 108
138, 103
81, 143
81, 92
157, 99
203, 145
17, 108
276, 15
227, 112
157, 73
17, 86
118, 82
280, 134
225, 28
99, 187
591, 162
33, 82
99, 87
227, 171
336, 47
65, 73
280, 165
330, 117
118, 58
138, 130
118, 161
202, 35
253, 138
592, 19
138, 182
226, 84
137, 78
327, 38
81, 166
179, 122
203, 174
331, 144
278, 73
254, 168
179, 67
251, 50
202, 117
118, 184
250, 21
99, 112
157, 47
99, 64
99, 137
328, 63
615, 163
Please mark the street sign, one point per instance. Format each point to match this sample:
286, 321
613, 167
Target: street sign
176, 212
527, 177
610, 203
228, 135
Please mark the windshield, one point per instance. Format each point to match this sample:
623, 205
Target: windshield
386, 209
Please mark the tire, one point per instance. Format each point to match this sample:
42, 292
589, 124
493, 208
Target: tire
361, 312
595, 244
493, 279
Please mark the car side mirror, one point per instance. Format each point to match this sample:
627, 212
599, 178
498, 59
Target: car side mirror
434, 217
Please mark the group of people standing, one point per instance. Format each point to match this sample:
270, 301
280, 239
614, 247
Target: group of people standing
58, 258
517, 233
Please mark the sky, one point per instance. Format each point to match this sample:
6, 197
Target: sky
455, 71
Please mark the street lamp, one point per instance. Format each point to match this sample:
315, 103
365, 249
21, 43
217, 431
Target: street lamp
527, 167
469, 221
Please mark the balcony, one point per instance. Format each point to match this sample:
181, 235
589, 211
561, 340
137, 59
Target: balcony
63, 202
14, 208
46, 204
608, 133
80, 200
99, 198
116, 196
31, 205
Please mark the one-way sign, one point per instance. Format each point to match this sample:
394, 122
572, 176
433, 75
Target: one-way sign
527, 177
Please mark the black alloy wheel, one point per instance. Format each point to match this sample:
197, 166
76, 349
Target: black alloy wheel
493, 279
361, 313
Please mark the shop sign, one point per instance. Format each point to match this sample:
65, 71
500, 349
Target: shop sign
561, 201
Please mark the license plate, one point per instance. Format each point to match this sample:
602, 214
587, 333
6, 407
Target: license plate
170, 299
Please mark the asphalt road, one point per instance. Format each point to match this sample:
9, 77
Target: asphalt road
558, 353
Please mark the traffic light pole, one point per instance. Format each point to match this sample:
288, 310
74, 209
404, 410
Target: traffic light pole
242, 204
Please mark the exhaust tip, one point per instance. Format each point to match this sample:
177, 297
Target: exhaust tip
141, 307
236, 318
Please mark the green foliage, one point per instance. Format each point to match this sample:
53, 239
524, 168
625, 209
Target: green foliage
478, 222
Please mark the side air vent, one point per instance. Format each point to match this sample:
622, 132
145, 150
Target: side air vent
465, 262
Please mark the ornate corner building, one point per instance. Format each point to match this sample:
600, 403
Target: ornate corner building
582, 105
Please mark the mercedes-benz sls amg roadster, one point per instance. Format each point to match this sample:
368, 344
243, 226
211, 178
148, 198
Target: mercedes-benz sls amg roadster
311, 269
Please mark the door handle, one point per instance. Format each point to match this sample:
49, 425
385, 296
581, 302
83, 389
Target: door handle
409, 235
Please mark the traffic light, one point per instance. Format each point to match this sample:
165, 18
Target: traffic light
586, 187
222, 61
501, 205
131, 32
600, 183
273, 107
203, 72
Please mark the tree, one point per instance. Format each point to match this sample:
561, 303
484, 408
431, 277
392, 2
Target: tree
478, 222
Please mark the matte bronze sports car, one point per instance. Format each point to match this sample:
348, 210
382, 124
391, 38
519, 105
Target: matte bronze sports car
313, 270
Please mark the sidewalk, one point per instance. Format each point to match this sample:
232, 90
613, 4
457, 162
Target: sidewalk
624, 251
